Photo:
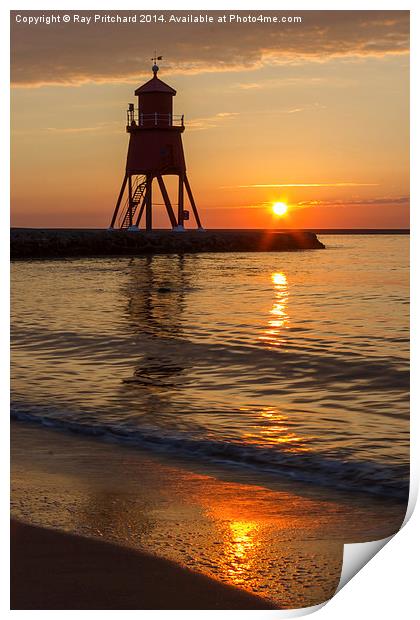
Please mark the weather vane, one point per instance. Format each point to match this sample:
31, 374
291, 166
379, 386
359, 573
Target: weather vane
156, 58
155, 68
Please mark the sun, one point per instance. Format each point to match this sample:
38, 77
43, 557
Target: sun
280, 208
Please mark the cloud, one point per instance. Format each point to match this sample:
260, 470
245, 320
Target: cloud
341, 184
74, 53
306, 204
249, 85
210, 122
72, 129
276, 82
384, 200
106, 127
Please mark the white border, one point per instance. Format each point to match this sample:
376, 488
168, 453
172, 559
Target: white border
386, 587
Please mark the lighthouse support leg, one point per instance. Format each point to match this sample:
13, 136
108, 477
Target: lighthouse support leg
120, 195
166, 200
181, 201
130, 201
143, 204
149, 203
193, 206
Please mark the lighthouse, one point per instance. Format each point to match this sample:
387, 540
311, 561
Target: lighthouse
154, 151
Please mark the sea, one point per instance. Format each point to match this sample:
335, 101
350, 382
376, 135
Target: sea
292, 364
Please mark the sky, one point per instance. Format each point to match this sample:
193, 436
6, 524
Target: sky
313, 114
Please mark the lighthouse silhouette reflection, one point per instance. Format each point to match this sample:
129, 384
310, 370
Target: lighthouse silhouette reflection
156, 292
155, 150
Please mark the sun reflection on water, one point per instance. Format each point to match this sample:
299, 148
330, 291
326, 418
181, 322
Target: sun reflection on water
269, 426
277, 430
279, 318
239, 550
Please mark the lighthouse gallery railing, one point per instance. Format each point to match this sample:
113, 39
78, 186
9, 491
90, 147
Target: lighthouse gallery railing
137, 118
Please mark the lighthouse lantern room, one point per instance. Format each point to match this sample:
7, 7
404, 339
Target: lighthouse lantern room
155, 150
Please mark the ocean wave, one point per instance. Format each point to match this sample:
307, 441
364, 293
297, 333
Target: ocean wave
340, 472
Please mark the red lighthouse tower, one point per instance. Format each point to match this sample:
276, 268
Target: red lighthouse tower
155, 150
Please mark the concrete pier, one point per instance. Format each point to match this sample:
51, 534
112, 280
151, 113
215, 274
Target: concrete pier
28, 243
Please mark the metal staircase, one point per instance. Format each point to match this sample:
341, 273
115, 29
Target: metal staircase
139, 184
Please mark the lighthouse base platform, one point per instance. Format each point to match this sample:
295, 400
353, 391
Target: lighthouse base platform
29, 243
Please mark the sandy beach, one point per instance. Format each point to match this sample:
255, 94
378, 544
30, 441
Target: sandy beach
53, 570
198, 539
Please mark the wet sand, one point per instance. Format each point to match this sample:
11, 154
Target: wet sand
282, 542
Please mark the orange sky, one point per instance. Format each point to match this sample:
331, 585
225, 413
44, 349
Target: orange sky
313, 114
